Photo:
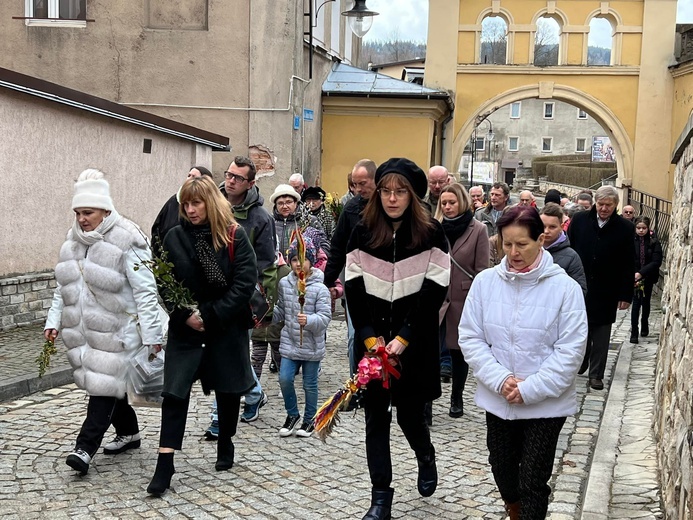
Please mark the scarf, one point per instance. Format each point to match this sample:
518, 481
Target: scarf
455, 227
527, 269
89, 238
202, 241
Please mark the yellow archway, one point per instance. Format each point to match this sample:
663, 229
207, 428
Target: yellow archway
612, 126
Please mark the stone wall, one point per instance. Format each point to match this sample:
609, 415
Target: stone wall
673, 419
25, 299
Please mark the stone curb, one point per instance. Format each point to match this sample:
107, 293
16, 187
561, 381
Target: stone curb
25, 385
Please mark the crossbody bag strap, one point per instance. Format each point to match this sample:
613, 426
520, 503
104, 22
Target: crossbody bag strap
454, 262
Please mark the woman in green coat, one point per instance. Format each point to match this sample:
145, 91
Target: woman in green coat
209, 343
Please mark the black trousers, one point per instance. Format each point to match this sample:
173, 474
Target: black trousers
598, 337
174, 413
521, 454
641, 302
411, 419
101, 413
460, 371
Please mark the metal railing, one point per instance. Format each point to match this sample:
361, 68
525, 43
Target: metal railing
658, 210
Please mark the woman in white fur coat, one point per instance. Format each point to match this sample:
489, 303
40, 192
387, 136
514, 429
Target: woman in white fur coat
105, 311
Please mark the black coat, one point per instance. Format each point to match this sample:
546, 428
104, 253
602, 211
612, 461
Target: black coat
167, 219
607, 257
220, 355
350, 216
396, 291
653, 258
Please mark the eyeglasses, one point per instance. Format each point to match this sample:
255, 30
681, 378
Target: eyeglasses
399, 193
285, 204
237, 178
437, 183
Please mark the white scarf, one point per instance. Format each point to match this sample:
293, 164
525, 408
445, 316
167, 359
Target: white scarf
89, 238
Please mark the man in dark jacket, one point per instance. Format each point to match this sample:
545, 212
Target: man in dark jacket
557, 243
604, 241
169, 216
363, 177
246, 202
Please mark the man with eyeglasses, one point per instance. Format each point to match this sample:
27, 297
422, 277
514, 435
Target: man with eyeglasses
438, 178
363, 178
247, 204
628, 213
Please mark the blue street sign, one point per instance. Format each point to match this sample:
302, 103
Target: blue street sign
297, 122
307, 114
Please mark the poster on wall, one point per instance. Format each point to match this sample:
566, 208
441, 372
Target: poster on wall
602, 151
484, 172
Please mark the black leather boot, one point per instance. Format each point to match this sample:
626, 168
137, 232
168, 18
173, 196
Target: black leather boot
456, 407
428, 474
225, 452
645, 329
633, 334
161, 480
381, 504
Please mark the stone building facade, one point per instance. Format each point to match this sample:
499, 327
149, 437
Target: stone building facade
673, 423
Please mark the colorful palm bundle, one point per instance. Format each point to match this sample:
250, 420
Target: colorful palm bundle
377, 364
301, 283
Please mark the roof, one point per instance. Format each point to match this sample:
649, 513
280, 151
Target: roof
375, 66
82, 101
345, 80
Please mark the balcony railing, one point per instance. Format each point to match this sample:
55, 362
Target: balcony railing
658, 210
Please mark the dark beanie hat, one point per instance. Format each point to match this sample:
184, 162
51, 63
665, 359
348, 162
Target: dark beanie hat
407, 169
314, 192
553, 196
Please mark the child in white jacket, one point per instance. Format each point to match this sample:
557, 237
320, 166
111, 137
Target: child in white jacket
302, 343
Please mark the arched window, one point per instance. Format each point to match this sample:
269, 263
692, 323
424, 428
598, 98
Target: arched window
600, 42
547, 42
494, 41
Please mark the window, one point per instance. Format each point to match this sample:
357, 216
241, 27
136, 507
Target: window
56, 12
494, 40
600, 42
548, 110
480, 144
546, 144
580, 144
546, 42
513, 144
581, 114
515, 110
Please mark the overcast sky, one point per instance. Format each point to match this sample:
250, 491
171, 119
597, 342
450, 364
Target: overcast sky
408, 20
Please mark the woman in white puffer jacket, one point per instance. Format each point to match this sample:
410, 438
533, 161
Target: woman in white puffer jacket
523, 332
105, 311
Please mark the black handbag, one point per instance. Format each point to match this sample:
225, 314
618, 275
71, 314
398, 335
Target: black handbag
259, 303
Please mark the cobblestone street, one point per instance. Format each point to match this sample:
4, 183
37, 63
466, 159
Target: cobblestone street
272, 478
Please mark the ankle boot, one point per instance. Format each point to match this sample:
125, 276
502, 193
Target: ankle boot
513, 510
381, 504
645, 329
633, 334
225, 451
428, 474
161, 480
456, 408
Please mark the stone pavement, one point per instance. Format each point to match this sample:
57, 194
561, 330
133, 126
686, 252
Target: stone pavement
604, 468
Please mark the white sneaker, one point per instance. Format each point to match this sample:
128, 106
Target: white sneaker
122, 443
79, 461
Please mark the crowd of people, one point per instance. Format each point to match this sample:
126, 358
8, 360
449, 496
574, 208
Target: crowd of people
441, 279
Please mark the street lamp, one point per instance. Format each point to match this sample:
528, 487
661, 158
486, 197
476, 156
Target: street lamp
490, 136
360, 18
360, 22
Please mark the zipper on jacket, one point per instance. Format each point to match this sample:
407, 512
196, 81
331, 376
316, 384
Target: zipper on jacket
394, 261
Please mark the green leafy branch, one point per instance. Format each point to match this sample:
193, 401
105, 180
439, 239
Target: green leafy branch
44, 358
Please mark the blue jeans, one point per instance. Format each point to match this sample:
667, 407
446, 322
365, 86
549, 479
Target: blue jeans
251, 398
445, 359
287, 374
351, 332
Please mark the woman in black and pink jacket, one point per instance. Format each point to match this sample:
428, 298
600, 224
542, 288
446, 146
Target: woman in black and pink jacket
397, 273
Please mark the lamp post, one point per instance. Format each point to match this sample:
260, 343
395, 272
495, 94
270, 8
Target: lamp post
360, 21
490, 136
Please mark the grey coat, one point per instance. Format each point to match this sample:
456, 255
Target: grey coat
318, 309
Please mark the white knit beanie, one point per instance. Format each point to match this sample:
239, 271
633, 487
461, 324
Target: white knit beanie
92, 191
284, 190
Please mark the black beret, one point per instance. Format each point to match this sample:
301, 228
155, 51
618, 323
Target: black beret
407, 169
314, 192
